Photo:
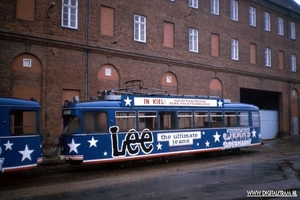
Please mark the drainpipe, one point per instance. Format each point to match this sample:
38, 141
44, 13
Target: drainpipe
86, 51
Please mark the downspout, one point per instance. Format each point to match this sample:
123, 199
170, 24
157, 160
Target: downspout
86, 50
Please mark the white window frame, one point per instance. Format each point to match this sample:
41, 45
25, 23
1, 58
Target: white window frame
268, 57
267, 20
214, 7
293, 30
27, 62
139, 28
169, 79
280, 26
193, 40
293, 63
234, 49
193, 3
234, 12
252, 16
69, 14
107, 71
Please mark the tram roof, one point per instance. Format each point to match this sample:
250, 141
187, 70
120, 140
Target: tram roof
8, 101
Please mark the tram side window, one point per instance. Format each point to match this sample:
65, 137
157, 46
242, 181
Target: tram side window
255, 118
125, 121
167, 120
147, 120
185, 120
216, 119
94, 122
230, 119
101, 122
23, 122
201, 120
243, 118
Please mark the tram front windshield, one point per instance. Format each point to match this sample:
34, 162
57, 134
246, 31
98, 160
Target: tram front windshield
71, 124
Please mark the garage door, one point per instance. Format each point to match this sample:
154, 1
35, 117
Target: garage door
269, 124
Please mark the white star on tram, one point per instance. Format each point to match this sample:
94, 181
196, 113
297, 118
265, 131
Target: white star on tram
26, 153
93, 142
220, 103
207, 143
8, 145
217, 137
105, 153
159, 146
253, 133
127, 101
73, 146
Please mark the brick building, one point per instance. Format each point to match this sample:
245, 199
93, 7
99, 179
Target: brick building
245, 50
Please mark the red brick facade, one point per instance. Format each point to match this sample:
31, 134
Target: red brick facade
102, 54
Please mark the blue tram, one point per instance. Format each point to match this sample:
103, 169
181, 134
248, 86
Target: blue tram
20, 139
120, 127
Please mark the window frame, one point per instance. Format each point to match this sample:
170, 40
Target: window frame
252, 16
216, 119
167, 120
201, 118
23, 122
193, 4
215, 7
267, 21
144, 116
130, 116
94, 122
140, 26
70, 8
234, 10
293, 63
255, 119
187, 119
243, 119
268, 57
293, 30
234, 49
230, 118
280, 26
193, 40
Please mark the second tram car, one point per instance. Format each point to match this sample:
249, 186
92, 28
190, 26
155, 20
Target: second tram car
20, 139
121, 127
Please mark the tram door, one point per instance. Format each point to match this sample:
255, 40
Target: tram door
167, 120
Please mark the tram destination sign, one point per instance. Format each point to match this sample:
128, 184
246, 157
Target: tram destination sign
157, 101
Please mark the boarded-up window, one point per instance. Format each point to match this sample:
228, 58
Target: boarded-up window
253, 53
281, 59
107, 21
25, 9
215, 45
169, 34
